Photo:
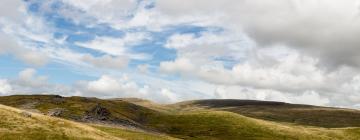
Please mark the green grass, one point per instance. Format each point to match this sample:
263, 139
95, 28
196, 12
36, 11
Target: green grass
288, 113
75, 107
186, 121
220, 125
312, 116
15, 126
132, 135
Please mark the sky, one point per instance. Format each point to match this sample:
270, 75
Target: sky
295, 51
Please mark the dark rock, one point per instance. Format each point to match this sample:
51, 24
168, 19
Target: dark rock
97, 113
58, 100
58, 96
100, 114
56, 112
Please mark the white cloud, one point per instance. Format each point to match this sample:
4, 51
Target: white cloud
28, 78
239, 92
105, 84
114, 87
275, 73
172, 97
179, 41
32, 57
18, 32
107, 61
108, 86
105, 11
210, 45
289, 71
312, 98
143, 68
182, 65
5, 87
11, 9
114, 46
29, 82
307, 25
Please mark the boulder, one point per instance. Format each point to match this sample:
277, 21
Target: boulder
97, 113
56, 112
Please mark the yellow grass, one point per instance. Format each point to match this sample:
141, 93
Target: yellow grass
15, 126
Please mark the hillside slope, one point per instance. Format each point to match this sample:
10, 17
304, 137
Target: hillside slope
82, 109
280, 112
205, 119
220, 125
16, 124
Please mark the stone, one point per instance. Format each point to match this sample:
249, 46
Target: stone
97, 113
56, 112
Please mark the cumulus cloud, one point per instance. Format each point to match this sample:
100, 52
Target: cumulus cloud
29, 82
108, 86
171, 96
113, 87
5, 87
29, 78
180, 65
325, 29
289, 76
240, 92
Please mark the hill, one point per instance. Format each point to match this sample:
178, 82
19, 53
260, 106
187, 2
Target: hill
281, 112
82, 109
16, 124
202, 119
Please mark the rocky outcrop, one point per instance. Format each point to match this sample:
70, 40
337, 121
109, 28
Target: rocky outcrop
100, 114
97, 113
58, 100
56, 112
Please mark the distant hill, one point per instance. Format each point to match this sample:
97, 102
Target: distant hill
282, 112
133, 118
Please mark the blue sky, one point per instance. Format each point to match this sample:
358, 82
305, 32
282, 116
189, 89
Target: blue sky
172, 50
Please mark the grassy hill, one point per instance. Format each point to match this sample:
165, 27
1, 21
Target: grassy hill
281, 112
230, 126
203, 119
16, 124
82, 109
